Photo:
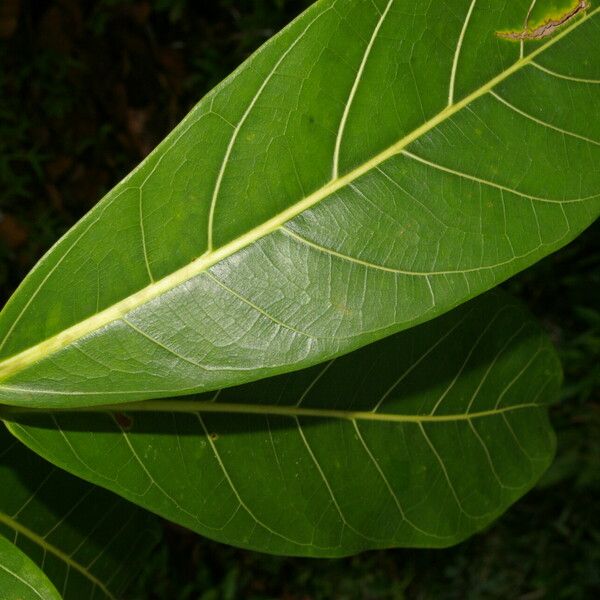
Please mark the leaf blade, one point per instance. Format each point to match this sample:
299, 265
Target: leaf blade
20, 577
441, 234
79, 535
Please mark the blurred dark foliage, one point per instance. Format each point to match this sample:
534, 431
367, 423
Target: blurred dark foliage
87, 89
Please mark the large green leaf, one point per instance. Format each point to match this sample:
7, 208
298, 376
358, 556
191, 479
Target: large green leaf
418, 440
375, 164
20, 578
89, 542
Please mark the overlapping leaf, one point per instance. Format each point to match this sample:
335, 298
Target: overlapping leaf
88, 542
418, 440
372, 166
20, 577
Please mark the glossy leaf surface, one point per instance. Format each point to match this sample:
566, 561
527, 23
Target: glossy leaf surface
372, 166
418, 440
20, 577
89, 542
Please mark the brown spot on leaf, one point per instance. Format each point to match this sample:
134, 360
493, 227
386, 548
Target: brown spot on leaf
124, 421
548, 27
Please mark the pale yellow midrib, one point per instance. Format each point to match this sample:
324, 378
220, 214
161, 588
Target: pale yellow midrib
42, 543
273, 410
36, 353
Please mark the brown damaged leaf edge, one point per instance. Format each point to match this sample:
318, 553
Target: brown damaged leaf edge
548, 27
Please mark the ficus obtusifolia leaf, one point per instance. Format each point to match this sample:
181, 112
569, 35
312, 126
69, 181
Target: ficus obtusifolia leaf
372, 167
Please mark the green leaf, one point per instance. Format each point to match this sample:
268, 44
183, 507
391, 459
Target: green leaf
20, 578
372, 166
418, 440
89, 542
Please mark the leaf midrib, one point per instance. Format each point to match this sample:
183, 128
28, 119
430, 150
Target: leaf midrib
292, 411
30, 356
47, 547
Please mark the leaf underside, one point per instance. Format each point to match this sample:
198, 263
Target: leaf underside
372, 166
88, 542
421, 439
20, 578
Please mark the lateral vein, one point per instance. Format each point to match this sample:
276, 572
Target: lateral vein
357, 79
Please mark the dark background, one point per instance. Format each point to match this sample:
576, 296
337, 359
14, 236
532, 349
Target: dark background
87, 89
